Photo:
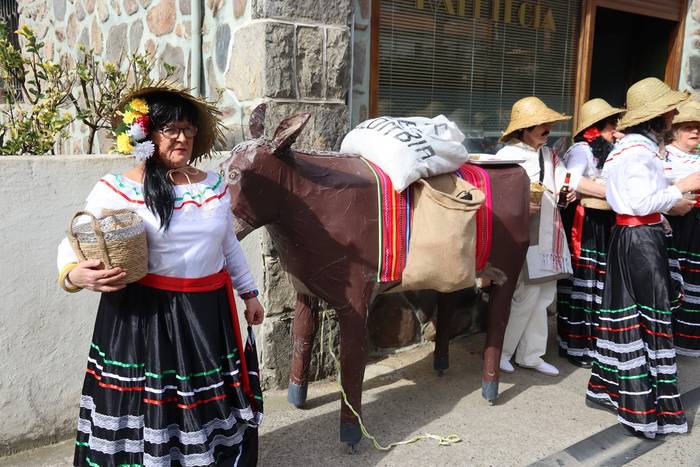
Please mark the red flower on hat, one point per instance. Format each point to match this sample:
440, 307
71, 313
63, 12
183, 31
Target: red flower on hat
144, 122
591, 134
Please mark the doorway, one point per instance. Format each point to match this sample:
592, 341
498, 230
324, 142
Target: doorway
632, 39
627, 47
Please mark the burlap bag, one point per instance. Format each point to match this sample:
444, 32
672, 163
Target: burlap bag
442, 248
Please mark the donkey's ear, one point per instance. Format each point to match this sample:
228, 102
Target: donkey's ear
256, 123
288, 131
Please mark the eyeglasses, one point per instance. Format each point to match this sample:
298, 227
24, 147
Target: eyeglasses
172, 132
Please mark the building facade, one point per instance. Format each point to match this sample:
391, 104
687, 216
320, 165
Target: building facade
472, 59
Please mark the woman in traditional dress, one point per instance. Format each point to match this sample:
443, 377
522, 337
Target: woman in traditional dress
592, 223
168, 379
634, 368
682, 160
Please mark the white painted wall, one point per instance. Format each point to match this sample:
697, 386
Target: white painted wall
45, 332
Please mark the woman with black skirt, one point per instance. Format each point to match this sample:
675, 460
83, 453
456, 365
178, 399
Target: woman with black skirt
590, 230
683, 159
169, 380
634, 369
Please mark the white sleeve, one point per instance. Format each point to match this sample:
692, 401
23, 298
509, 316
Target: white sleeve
65, 255
98, 199
577, 163
235, 262
643, 198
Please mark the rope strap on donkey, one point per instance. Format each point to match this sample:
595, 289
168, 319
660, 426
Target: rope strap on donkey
442, 440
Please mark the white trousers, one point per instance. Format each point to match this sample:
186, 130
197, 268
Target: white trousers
526, 333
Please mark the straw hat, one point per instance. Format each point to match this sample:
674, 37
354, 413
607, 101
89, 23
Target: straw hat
530, 111
688, 112
649, 98
207, 119
593, 111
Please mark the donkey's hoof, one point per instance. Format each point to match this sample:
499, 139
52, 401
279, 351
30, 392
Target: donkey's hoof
353, 449
440, 364
296, 394
350, 433
489, 390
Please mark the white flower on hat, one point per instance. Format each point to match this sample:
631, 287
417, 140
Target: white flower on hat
144, 150
137, 132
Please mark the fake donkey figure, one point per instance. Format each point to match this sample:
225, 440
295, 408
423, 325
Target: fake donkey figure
321, 212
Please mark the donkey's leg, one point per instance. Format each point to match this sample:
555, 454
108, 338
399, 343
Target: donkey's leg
303, 334
509, 189
353, 358
446, 305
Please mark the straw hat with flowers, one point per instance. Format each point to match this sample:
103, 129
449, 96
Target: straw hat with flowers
688, 112
649, 98
594, 111
132, 126
528, 112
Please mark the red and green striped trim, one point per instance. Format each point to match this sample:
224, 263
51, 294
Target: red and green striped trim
137, 196
150, 374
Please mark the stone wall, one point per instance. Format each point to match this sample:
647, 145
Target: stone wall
690, 64
113, 28
361, 57
295, 56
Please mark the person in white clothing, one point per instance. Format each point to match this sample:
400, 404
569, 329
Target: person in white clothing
169, 378
548, 256
634, 369
682, 160
588, 223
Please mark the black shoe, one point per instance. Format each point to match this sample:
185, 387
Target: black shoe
581, 362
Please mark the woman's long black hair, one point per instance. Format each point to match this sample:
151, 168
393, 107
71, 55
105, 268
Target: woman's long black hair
158, 193
654, 129
599, 145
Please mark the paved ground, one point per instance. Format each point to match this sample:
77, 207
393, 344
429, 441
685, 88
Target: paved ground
538, 420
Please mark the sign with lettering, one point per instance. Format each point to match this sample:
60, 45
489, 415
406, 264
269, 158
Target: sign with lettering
527, 14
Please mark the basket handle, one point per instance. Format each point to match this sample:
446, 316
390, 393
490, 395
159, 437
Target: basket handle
98, 234
115, 213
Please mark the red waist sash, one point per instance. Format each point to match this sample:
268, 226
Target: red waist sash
208, 284
632, 221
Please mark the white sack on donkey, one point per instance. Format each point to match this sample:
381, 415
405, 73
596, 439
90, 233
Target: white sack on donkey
408, 149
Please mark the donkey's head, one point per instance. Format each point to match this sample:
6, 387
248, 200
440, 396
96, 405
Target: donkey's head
256, 169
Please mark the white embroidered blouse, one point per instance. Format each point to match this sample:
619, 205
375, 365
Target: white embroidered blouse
680, 164
636, 184
580, 162
200, 240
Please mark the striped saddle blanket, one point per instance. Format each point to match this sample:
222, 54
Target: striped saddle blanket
395, 225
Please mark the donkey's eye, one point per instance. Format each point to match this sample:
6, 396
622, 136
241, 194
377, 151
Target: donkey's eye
234, 175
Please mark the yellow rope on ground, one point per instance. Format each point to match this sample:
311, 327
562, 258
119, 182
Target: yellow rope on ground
442, 440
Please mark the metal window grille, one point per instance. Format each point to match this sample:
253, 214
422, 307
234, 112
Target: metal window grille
9, 14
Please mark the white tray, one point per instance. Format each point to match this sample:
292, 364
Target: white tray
490, 159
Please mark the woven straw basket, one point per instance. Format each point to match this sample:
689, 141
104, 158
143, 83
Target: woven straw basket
536, 192
118, 240
595, 203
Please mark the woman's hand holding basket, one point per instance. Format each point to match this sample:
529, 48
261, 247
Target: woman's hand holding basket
90, 274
